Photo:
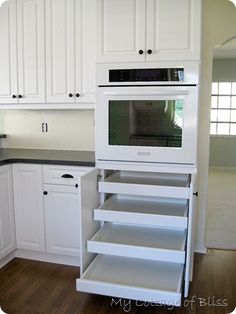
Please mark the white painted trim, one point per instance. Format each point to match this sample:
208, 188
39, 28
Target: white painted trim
146, 167
42, 257
222, 168
200, 249
5, 260
86, 106
46, 257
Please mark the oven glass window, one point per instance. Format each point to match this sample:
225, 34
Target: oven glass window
146, 123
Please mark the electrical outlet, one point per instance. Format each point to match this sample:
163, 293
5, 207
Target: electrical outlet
44, 127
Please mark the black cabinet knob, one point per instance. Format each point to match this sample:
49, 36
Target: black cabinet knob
149, 51
195, 194
70, 95
14, 96
20, 96
77, 95
141, 52
76, 186
45, 193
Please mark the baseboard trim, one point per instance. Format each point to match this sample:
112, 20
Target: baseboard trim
41, 256
222, 168
5, 260
48, 257
202, 250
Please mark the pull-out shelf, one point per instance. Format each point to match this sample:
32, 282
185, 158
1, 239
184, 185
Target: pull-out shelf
140, 242
136, 279
146, 184
144, 211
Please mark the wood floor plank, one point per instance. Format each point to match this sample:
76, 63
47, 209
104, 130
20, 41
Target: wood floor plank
36, 287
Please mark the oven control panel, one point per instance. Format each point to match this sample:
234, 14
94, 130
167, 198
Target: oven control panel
147, 75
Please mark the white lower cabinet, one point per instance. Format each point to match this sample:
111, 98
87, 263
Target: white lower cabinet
28, 199
143, 246
48, 205
7, 221
62, 228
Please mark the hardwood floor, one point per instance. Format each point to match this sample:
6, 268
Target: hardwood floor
36, 287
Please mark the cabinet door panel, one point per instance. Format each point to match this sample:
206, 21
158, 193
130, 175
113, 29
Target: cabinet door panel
85, 50
8, 62
60, 50
62, 213
7, 223
121, 30
173, 29
31, 58
28, 198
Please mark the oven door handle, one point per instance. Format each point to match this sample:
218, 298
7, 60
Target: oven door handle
149, 93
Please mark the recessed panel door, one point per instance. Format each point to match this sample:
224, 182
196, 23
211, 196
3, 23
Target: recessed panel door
31, 54
60, 51
173, 30
8, 61
121, 30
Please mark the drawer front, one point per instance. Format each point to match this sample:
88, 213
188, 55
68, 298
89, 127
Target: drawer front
141, 219
144, 190
64, 175
126, 292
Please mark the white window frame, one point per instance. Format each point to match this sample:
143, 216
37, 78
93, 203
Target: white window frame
231, 95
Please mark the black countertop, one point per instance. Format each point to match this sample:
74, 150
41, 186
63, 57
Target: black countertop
44, 156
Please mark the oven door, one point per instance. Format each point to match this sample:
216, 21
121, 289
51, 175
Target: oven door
147, 124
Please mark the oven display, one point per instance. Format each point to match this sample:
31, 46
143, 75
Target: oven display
147, 75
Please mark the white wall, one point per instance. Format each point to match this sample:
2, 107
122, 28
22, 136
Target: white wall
224, 70
71, 130
219, 24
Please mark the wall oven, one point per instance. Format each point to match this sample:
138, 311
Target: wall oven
147, 114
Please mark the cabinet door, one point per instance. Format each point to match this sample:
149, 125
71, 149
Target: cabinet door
31, 55
8, 61
85, 45
173, 29
62, 213
28, 198
7, 223
60, 50
120, 30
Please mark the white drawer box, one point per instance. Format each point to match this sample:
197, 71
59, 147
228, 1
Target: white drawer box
146, 184
65, 175
140, 242
135, 279
167, 213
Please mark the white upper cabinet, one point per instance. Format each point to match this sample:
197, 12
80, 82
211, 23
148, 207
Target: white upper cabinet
173, 30
120, 30
60, 50
151, 30
7, 221
48, 53
31, 47
22, 61
70, 31
8, 53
